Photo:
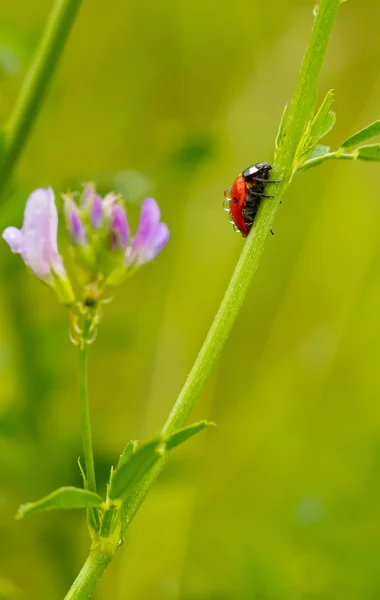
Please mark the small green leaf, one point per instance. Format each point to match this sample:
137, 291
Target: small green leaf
184, 434
65, 497
127, 453
324, 120
319, 150
370, 152
361, 136
133, 469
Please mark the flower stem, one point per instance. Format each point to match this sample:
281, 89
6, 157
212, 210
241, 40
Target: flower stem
29, 101
85, 411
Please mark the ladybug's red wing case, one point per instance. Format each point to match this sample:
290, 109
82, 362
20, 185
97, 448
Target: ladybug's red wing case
243, 199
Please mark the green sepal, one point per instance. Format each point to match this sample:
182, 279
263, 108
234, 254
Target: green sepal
63, 289
370, 152
63, 498
134, 468
182, 435
363, 135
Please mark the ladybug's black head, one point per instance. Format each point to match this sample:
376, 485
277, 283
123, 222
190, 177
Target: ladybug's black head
260, 170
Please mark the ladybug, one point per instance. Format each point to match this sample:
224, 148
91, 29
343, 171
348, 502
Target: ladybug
242, 200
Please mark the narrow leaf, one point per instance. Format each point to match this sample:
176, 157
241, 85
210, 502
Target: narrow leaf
370, 152
127, 453
324, 119
184, 434
65, 497
361, 136
132, 470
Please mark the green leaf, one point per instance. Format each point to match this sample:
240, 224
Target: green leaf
184, 434
127, 453
370, 152
361, 136
324, 120
319, 150
65, 497
321, 124
134, 468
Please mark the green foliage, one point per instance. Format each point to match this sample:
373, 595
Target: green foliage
321, 124
347, 150
371, 152
180, 436
133, 468
127, 453
363, 135
64, 497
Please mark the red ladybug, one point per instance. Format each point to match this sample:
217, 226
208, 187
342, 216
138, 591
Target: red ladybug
242, 200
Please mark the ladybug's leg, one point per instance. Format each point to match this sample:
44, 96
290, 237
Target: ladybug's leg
266, 180
260, 195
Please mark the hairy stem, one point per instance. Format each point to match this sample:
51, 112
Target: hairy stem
36, 82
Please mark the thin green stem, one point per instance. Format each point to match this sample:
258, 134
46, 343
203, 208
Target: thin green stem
337, 154
85, 413
89, 575
299, 114
36, 82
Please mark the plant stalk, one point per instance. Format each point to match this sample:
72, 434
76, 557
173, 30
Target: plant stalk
95, 565
85, 411
300, 112
36, 82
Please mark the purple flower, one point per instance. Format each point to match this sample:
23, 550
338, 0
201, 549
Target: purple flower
36, 241
119, 227
151, 235
74, 221
92, 201
96, 211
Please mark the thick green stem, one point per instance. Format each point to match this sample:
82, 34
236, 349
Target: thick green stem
299, 114
36, 82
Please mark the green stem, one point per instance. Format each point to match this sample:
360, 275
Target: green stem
29, 101
338, 154
85, 411
300, 112
89, 575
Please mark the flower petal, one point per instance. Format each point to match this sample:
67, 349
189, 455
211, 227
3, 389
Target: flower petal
151, 235
40, 235
14, 239
119, 227
96, 211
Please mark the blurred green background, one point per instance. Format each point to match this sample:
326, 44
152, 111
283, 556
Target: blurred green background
282, 500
